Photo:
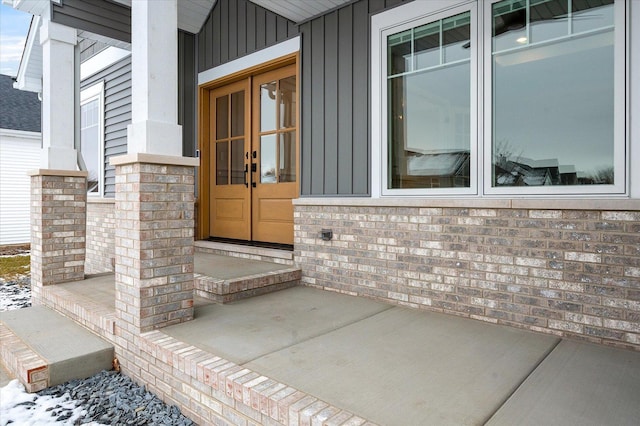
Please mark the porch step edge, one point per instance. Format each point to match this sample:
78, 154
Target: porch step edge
228, 290
43, 348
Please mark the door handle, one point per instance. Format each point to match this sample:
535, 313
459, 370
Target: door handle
246, 172
254, 169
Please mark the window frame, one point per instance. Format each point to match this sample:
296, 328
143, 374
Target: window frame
417, 13
95, 92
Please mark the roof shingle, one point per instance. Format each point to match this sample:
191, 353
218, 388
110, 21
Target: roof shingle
19, 110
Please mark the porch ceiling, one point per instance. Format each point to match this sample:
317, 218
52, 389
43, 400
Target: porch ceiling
191, 16
300, 10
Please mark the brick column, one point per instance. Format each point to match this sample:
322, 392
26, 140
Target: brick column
58, 227
153, 241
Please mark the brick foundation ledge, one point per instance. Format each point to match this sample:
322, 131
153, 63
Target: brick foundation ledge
565, 267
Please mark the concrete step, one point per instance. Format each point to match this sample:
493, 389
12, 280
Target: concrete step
224, 279
42, 348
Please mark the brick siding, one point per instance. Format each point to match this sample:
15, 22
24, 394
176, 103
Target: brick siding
154, 233
100, 256
58, 227
568, 272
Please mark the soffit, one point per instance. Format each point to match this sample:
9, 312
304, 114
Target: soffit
300, 10
191, 13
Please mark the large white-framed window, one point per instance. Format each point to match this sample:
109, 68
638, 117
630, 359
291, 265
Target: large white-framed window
92, 137
500, 98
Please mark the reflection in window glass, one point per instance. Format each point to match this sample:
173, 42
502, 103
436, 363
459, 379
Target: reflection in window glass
553, 102
268, 158
268, 106
399, 57
237, 162
426, 42
430, 110
90, 143
222, 163
287, 164
237, 114
287, 101
222, 117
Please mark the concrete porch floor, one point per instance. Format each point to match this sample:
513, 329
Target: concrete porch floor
396, 366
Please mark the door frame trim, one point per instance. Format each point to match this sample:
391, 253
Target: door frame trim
203, 200
250, 61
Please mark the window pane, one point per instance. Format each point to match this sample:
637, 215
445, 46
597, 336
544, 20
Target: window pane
90, 143
268, 106
549, 19
287, 157
268, 159
222, 163
509, 24
222, 117
589, 14
237, 114
553, 110
427, 45
399, 53
429, 128
288, 102
237, 162
456, 36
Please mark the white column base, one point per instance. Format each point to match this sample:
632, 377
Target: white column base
59, 158
154, 137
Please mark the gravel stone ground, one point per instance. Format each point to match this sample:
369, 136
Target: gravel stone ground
108, 398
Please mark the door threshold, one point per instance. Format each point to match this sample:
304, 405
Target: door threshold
258, 244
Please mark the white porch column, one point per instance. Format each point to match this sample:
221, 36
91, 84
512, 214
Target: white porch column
154, 125
58, 42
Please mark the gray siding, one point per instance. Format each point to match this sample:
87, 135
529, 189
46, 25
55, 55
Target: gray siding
101, 17
335, 144
117, 114
187, 92
236, 28
89, 48
335, 82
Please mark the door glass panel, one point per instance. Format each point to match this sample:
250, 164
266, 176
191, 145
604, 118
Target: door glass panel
222, 117
268, 159
237, 162
237, 114
287, 157
222, 163
268, 106
288, 102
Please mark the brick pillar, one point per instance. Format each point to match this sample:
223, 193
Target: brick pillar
154, 241
58, 227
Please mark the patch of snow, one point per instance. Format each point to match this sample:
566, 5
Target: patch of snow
22, 408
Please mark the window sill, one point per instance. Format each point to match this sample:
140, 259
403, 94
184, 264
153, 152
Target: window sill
498, 203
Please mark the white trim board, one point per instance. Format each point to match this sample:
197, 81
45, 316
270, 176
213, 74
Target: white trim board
265, 55
102, 60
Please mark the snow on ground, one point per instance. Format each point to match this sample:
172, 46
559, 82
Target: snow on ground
21, 408
15, 294
106, 397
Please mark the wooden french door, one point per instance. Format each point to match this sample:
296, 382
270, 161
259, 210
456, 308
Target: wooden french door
253, 156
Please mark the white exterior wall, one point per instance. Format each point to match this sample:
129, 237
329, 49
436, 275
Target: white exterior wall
19, 153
